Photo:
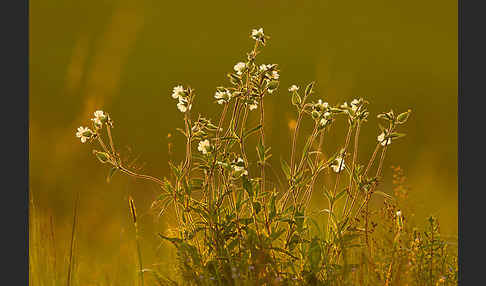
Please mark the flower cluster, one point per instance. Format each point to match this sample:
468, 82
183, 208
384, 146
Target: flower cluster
321, 112
356, 109
101, 117
181, 94
239, 68
270, 75
236, 167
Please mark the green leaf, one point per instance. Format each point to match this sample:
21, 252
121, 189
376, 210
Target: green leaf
396, 135
251, 131
238, 199
171, 239
276, 234
385, 195
261, 151
299, 220
247, 186
327, 194
273, 209
403, 117
338, 196
309, 88
175, 170
234, 79
296, 100
103, 157
314, 255
285, 168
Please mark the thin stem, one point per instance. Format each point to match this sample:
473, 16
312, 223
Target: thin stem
370, 163
108, 129
210, 182
331, 207
262, 134
355, 155
102, 144
294, 141
308, 195
242, 143
140, 176
378, 172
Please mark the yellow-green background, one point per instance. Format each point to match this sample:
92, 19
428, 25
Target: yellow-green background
125, 56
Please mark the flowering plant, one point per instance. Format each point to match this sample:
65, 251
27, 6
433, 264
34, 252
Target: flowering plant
230, 225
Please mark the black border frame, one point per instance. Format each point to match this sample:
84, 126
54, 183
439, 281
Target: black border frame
14, 209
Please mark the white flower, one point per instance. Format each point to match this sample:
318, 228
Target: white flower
253, 106
354, 104
399, 213
293, 88
264, 68
257, 34
182, 105
238, 169
323, 122
97, 122
204, 146
338, 165
100, 115
182, 108
223, 96
84, 133
239, 67
381, 139
344, 105
177, 91
275, 75
327, 114
323, 104
99, 118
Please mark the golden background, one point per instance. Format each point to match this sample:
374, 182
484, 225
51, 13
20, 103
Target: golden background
126, 56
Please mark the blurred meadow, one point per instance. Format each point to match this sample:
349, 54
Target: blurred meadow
125, 57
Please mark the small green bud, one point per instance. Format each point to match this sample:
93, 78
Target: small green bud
102, 156
403, 117
296, 100
309, 89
